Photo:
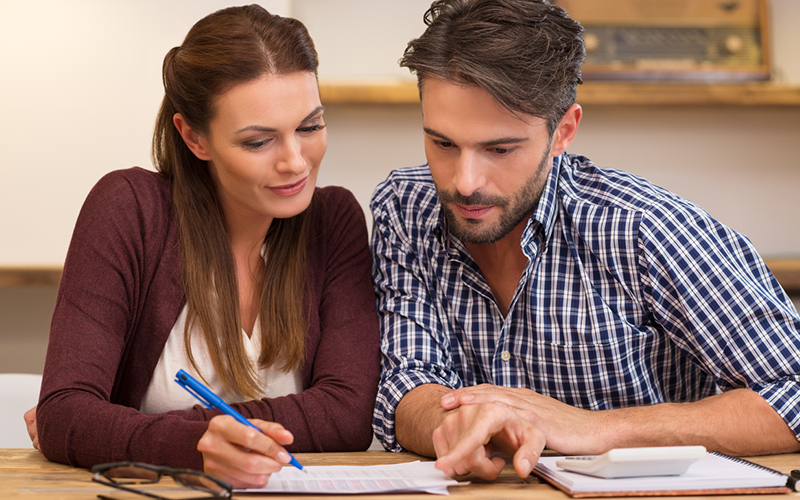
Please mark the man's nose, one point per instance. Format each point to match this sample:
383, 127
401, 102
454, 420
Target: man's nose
469, 176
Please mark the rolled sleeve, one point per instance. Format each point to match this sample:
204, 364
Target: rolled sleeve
395, 384
414, 347
714, 295
784, 398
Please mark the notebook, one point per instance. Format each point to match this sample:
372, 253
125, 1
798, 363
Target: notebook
714, 474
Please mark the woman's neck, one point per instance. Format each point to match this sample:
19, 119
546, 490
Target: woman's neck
247, 240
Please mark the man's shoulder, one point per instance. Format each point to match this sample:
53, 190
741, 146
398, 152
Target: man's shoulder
410, 188
406, 179
584, 182
406, 205
602, 197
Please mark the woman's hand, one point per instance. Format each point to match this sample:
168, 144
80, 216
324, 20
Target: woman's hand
30, 423
241, 455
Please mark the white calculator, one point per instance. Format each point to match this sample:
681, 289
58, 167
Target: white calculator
635, 462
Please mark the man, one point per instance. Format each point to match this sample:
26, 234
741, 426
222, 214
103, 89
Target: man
529, 298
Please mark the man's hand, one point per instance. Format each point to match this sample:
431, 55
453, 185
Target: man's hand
469, 438
567, 429
30, 423
240, 454
737, 422
467, 426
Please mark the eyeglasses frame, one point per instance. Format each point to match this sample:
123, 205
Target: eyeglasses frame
161, 471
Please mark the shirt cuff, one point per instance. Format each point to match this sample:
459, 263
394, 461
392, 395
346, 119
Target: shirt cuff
784, 397
394, 385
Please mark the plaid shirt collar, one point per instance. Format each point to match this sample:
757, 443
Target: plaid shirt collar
538, 229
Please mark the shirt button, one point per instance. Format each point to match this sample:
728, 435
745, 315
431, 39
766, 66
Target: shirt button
505, 355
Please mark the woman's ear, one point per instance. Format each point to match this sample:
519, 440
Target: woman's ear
566, 130
194, 141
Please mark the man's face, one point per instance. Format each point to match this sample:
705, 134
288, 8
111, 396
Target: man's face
489, 166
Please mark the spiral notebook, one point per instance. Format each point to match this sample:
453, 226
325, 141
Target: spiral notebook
715, 474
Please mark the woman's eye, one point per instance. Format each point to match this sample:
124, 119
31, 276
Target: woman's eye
311, 129
256, 144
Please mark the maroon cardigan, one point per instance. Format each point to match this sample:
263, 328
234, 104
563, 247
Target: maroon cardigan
120, 295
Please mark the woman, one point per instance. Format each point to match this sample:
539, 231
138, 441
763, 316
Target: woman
227, 263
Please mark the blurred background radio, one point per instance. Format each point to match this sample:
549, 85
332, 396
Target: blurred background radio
689, 40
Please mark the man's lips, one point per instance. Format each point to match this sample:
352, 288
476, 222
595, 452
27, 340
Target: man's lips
473, 211
290, 189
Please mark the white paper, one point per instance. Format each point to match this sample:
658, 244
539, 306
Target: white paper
343, 479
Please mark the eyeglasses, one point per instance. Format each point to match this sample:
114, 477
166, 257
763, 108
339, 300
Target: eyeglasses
126, 475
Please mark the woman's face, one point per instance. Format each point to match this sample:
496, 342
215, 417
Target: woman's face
264, 147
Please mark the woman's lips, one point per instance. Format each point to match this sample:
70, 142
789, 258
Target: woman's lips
290, 189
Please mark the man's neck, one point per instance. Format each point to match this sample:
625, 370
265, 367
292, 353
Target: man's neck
502, 264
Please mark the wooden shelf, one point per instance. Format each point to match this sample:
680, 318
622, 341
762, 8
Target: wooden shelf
591, 93
30, 276
676, 94
786, 270
379, 92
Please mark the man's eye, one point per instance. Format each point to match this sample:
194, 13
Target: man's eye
503, 151
443, 144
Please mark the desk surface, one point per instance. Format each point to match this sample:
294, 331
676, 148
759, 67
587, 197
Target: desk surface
25, 474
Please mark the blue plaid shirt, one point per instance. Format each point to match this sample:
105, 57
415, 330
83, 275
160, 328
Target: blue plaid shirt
631, 296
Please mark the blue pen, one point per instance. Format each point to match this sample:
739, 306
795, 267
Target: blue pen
211, 401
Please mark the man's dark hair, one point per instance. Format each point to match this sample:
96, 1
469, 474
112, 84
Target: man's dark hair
526, 53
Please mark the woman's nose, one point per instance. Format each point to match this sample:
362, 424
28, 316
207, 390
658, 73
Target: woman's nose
291, 160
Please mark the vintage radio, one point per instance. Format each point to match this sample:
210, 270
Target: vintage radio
694, 40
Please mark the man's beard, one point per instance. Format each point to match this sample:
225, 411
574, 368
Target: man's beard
513, 211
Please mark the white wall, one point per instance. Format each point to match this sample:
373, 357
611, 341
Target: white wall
361, 39
79, 92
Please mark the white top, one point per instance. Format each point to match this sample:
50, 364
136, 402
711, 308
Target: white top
164, 394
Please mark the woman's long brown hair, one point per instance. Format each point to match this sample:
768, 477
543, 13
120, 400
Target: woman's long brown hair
227, 48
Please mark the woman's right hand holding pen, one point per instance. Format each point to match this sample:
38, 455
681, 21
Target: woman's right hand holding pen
241, 455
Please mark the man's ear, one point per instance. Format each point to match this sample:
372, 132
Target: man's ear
194, 141
566, 130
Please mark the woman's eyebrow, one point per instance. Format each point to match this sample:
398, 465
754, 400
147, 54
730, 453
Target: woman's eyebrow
317, 110
260, 128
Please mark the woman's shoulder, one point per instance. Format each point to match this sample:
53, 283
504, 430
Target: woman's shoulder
335, 195
334, 201
132, 189
132, 197
135, 180
337, 212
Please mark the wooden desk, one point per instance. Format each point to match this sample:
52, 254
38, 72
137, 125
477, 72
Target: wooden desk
25, 474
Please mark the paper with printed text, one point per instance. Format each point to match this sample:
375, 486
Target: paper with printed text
349, 480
